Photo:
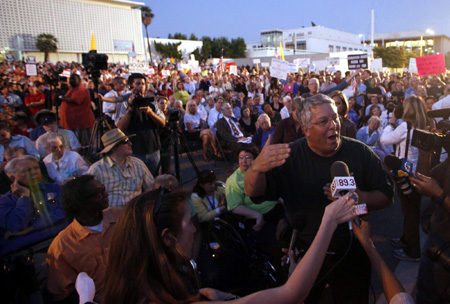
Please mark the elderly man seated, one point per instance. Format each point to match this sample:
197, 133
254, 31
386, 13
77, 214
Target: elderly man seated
31, 212
264, 130
123, 175
229, 131
83, 245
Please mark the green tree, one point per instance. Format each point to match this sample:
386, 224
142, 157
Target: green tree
447, 61
238, 48
147, 17
177, 36
193, 37
206, 48
46, 43
219, 44
169, 49
394, 57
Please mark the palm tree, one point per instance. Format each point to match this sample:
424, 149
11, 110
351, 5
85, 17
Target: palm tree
147, 17
46, 43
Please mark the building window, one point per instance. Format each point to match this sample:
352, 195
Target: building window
330, 48
338, 48
301, 45
344, 49
309, 33
300, 34
350, 49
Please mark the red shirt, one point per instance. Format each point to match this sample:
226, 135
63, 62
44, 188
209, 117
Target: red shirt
34, 98
78, 115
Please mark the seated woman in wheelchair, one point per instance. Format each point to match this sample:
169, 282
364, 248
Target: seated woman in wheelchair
208, 196
150, 267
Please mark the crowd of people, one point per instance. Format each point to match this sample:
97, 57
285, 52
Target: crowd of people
121, 218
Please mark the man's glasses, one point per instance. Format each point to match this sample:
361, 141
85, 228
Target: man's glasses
326, 122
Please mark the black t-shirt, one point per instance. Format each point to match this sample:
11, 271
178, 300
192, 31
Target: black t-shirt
301, 179
146, 140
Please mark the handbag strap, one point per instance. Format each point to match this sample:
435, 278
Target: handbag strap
407, 139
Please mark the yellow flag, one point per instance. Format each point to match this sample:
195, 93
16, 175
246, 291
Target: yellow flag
93, 44
281, 52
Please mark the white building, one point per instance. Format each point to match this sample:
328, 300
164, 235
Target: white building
116, 24
306, 40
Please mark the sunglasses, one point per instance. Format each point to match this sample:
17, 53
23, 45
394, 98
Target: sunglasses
126, 141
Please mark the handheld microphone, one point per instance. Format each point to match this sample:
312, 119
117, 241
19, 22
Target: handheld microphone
344, 183
401, 169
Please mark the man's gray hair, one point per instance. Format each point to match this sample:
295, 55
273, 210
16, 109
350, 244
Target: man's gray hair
296, 103
11, 166
286, 98
304, 112
376, 118
50, 137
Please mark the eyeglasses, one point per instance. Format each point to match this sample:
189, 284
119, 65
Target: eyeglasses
325, 123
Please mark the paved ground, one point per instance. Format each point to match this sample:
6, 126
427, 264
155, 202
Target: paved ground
386, 224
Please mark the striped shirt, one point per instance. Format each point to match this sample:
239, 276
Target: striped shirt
122, 185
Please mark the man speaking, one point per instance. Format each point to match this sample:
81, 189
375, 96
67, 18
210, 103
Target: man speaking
300, 174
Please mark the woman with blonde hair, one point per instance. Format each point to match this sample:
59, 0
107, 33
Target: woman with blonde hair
414, 117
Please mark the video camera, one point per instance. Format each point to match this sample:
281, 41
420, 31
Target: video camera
94, 62
427, 141
52, 78
141, 101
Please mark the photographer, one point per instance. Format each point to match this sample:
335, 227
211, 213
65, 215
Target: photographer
433, 279
143, 119
414, 117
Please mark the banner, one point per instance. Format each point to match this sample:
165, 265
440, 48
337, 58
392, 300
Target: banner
123, 46
279, 69
333, 60
196, 70
357, 61
31, 59
256, 61
293, 68
265, 64
431, 65
31, 69
233, 69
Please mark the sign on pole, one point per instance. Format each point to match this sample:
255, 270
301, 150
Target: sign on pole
412, 66
138, 67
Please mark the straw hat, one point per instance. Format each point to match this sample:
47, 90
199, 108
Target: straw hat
111, 138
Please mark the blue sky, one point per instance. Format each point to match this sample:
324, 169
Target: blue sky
246, 18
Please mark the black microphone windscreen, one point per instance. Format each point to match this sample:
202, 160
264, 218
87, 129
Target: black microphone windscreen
339, 168
393, 162
439, 113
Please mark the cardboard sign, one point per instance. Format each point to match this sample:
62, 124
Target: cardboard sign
31, 59
10, 57
431, 65
65, 73
357, 61
151, 71
320, 65
196, 70
332, 69
193, 63
279, 69
256, 61
265, 64
31, 69
233, 69
412, 65
376, 65
165, 73
138, 67
302, 62
333, 60
293, 68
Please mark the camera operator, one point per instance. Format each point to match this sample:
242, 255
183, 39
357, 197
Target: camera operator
433, 278
143, 119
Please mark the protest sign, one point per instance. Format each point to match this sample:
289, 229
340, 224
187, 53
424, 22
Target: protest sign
10, 57
31, 69
302, 62
357, 61
431, 65
332, 69
233, 69
151, 71
333, 60
138, 67
165, 73
196, 70
31, 59
320, 65
193, 63
279, 69
265, 64
205, 73
293, 68
256, 61
412, 65
376, 65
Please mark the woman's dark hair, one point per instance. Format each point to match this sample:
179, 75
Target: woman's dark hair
205, 176
244, 108
252, 149
141, 267
74, 195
